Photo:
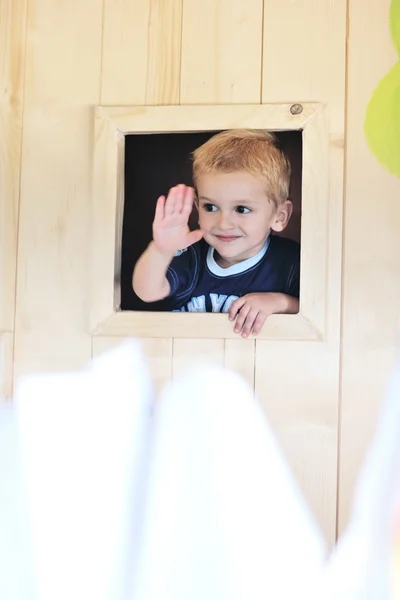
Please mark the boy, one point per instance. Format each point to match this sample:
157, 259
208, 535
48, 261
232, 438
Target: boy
231, 264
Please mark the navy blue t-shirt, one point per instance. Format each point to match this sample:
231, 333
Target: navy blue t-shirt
199, 284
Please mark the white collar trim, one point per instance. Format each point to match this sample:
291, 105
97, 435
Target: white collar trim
239, 267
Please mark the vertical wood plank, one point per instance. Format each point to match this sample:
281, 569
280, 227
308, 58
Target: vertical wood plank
141, 52
372, 251
240, 357
159, 356
296, 386
12, 68
298, 383
304, 53
6, 366
158, 353
191, 353
12, 64
62, 84
221, 51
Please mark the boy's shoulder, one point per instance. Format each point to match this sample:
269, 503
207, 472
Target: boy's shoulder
284, 247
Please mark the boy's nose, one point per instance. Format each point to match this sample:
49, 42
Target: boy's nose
226, 221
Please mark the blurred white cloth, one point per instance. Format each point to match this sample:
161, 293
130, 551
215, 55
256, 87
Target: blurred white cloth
364, 565
100, 500
82, 451
224, 518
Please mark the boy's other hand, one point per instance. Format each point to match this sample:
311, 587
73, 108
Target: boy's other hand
252, 310
170, 226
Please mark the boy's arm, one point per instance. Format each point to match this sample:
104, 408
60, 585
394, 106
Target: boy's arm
286, 304
251, 311
149, 276
170, 233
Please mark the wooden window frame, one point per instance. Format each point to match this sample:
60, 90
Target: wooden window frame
113, 123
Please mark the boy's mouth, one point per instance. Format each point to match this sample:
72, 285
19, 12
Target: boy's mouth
227, 238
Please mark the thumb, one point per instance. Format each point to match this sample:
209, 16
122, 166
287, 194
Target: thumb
194, 236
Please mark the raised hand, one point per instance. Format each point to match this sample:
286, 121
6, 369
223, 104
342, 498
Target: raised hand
170, 226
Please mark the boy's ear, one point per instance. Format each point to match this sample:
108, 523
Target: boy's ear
282, 216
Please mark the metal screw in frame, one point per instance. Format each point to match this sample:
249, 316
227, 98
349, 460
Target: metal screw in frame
296, 109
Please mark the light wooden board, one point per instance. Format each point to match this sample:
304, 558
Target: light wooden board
142, 65
372, 252
62, 83
12, 67
187, 354
210, 117
198, 325
304, 54
158, 353
6, 366
297, 387
297, 383
239, 356
221, 51
141, 52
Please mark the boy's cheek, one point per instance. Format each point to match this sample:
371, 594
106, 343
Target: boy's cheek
204, 220
205, 227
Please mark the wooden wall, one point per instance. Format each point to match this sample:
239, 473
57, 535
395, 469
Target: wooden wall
371, 274
58, 60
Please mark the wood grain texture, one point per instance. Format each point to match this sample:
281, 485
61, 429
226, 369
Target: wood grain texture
304, 54
297, 383
195, 325
6, 366
12, 68
372, 252
158, 353
62, 82
239, 356
221, 51
193, 352
106, 218
198, 117
297, 387
12, 61
141, 52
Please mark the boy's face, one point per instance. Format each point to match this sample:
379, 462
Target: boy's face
236, 216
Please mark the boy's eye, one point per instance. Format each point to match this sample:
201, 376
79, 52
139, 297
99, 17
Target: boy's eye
242, 210
209, 207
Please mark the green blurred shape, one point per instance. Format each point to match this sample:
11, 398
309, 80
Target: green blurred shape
395, 24
382, 120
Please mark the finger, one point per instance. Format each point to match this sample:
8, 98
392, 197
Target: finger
249, 323
159, 214
194, 236
258, 323
237, 305
242, 315
188, 201
179, 199
170, 202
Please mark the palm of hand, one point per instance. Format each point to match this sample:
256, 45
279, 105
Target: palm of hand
171, 233
170, 226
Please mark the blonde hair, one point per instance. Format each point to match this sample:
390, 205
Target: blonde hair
253, 151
